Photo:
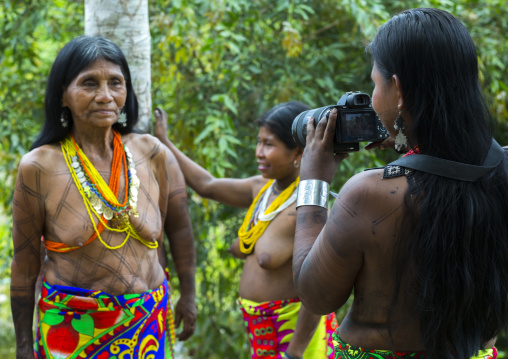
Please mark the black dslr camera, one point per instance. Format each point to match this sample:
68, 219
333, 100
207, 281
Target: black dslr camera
356, 122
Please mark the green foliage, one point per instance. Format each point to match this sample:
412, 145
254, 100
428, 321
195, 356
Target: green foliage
220, 328
6, 332
217, 65
32, 34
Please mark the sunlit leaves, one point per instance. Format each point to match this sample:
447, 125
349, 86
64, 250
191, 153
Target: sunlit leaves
292, 40
32, 33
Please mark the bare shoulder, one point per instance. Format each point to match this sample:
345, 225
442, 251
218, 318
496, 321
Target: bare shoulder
147, 148
143, 145
41, 172
47, 159
367, 206
369, 187
257, 183
42, 154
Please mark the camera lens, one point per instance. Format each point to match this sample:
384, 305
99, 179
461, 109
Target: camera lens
299, 127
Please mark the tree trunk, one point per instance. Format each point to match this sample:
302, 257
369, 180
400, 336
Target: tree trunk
125, 22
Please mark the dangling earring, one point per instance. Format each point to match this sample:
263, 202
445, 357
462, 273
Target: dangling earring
122, 119
64, 118
296, 164
400, 126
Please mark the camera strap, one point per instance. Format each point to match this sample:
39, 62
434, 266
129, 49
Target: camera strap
451, 169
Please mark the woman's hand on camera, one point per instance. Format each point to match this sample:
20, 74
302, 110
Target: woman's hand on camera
382, 145
318, 160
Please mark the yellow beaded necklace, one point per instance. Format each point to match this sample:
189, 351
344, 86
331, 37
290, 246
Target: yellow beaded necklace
69, 151
249, 236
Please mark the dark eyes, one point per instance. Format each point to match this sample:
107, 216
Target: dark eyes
91, 83
265, 143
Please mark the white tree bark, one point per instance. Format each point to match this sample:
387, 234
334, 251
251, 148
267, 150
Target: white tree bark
125, 22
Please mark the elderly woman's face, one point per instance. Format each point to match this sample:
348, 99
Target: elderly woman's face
96, 96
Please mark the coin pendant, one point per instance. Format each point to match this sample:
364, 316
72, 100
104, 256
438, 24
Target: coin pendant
108, 213
95, 201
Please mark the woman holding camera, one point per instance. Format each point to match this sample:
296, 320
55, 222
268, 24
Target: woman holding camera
423, 250
276, 321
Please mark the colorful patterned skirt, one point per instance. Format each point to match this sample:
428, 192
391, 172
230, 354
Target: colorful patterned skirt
346, 351
270, 327
80, 323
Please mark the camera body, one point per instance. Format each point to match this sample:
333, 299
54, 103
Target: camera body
356, 122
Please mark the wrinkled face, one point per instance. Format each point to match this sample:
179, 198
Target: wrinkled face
385, 100
97, 94
275, 160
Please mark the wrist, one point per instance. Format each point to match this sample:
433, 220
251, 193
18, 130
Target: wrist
187, 291
312, 192
187, 294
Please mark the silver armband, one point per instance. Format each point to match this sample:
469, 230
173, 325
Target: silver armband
312, 193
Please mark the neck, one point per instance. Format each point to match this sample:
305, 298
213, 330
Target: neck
282, 183
97, 142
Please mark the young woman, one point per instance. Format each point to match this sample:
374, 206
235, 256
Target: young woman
276, 321
423, 249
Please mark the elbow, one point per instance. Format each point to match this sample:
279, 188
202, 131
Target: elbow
235, 252
203, 190
203, 184
315, 305
320, 300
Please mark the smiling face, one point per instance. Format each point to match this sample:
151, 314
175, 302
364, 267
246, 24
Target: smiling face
275, 160
385, 99
97, 94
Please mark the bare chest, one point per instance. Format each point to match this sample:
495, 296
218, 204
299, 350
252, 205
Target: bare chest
275, 246
72, 213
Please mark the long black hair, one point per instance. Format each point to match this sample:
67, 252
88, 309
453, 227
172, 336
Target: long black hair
73, 58
279, 120
453, 246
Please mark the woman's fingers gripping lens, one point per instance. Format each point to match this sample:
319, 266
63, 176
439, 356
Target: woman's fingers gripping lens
309, 128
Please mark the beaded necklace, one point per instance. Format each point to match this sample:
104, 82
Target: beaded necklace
99, 197
248, 233
275, 190
414, 150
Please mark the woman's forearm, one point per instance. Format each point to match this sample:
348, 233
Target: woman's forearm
22, 307
305, 327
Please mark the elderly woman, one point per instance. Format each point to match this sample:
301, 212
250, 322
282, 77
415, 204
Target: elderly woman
101, 198
423, 243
